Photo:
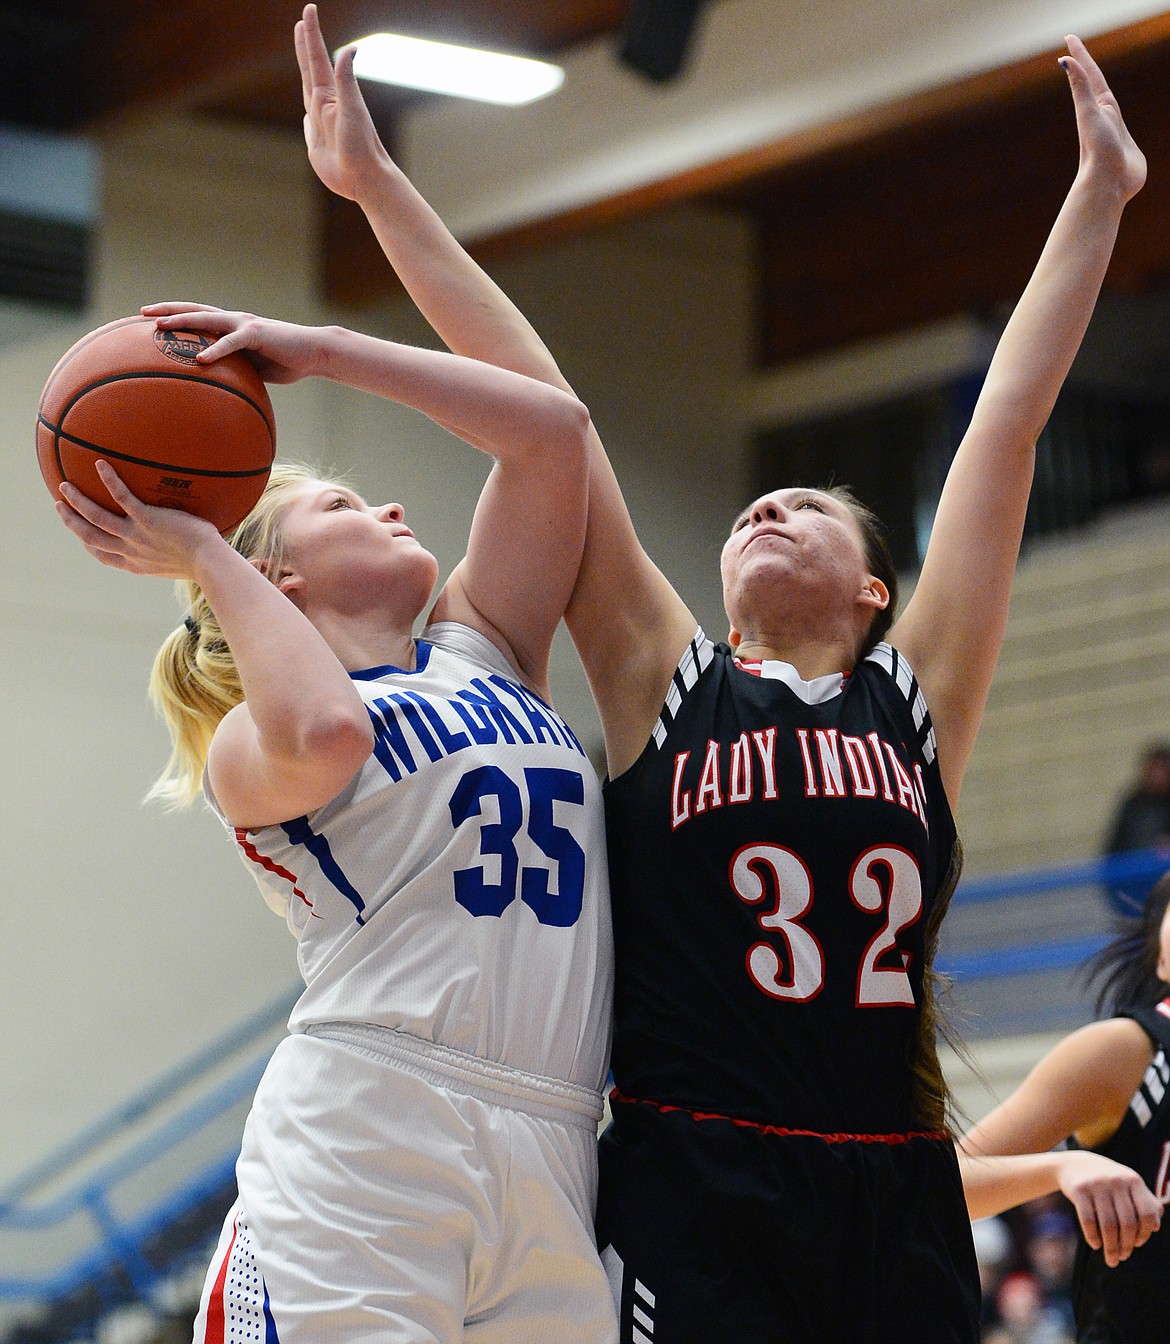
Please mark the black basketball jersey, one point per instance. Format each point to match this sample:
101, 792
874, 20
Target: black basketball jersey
1130, 1304
775, 854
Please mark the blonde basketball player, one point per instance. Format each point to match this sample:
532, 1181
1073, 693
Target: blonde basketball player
419, 1165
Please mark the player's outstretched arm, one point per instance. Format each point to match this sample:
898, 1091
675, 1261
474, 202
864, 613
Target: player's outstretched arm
953, 625
629, 625
471, 314
1081, 1088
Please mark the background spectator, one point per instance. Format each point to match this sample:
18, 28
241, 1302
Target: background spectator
1142, 821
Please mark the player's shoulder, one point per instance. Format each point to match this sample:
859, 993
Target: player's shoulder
1153, 1021
892, 665
1116, 1050
888, 668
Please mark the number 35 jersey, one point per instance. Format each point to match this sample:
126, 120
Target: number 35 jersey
456, 888
775, 854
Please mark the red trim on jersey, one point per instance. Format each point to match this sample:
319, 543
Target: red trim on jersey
215, 1313
1163, 1008
779, 1130
268, 864
755, 666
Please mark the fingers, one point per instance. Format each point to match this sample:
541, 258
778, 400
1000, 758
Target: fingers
110, 523
1086, 1207
1149, 1214
1117, 1218
147, 539
300, 42
347, 85
92, 525
173, 306
312, 56
120, 492
1119, 1231
1088, 67
1098, 1219
278, 350
212, 321
73, 510
227, 344
1077, 77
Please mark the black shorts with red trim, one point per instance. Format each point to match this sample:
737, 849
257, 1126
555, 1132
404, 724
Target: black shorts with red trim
715, 1230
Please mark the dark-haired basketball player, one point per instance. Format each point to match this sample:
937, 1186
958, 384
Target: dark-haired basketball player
779, 816
1108, 1086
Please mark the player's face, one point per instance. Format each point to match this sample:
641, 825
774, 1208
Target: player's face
793, 552
345, 551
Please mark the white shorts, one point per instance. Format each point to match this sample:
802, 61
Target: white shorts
392, 1192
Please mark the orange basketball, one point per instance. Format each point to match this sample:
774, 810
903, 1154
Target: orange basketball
199, 437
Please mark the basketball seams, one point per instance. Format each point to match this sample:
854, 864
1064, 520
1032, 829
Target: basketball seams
123, 394
179, 467
172, 377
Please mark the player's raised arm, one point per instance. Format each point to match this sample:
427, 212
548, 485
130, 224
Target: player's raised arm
525, 543
953, 625
628, 623
460, 301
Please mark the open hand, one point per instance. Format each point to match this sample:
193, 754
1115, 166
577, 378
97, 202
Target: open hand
148, 540
1106, 144
343, 145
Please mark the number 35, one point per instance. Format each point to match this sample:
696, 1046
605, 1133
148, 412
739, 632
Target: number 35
473, 891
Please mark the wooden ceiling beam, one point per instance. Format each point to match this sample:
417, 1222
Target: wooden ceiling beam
949, 216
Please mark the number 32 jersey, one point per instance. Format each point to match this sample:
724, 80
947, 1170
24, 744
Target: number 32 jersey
456, 888
775, 854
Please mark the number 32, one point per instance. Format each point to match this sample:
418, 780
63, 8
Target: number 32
878, 986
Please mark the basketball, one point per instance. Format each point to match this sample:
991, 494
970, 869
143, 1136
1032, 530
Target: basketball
198, 437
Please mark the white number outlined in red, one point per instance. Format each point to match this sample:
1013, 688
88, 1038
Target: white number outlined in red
802, 977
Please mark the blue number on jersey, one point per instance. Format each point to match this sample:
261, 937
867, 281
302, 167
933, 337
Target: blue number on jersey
478, 896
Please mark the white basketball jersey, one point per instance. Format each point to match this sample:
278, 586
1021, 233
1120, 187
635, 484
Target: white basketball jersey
456, 889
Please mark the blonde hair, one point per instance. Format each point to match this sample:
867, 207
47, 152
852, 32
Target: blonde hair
194, 680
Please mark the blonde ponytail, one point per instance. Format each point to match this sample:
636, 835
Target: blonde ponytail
194, 680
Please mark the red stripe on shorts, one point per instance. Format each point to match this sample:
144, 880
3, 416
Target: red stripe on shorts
214, 1333
779, 1130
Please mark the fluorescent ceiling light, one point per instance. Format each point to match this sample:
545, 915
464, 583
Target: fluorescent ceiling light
463, 71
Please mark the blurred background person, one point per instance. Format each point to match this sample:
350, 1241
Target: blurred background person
1142, 821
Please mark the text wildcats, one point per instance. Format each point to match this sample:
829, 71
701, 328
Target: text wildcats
833, 765
410, 727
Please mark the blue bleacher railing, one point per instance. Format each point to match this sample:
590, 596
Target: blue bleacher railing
1118, 873
97, 1185
75, 1196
